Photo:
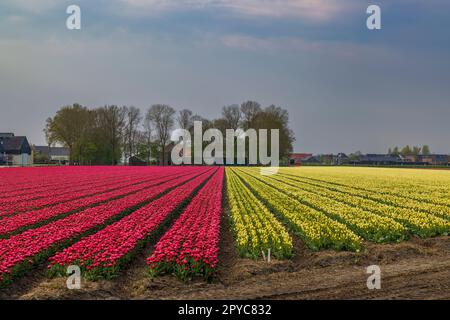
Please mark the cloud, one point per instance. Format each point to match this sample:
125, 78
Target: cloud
34, 7
311, 10
338, 49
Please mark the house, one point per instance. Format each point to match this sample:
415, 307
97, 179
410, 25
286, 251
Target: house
380, 159
15, 150
53, 154
341, 159
295, 159
311, 160
434, 159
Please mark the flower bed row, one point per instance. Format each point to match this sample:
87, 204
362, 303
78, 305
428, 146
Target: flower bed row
64, 186
19, 222
19, 204
366, 224
102, 254
80, 189
23, 181
21, 251
191, 246
417, 222
255, 228
316, 229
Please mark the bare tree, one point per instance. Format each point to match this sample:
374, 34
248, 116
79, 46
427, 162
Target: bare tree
184, 119
250, 111
232, 115
112, 121
148, 135
133, 119
162, 116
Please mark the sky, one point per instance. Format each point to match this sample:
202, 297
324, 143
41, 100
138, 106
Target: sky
346, 88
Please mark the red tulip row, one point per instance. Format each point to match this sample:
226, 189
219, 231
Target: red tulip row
81, 195
22, 204
102, 254
190, 247
19, 221
60, 188
42, 180
20, 251
19, 181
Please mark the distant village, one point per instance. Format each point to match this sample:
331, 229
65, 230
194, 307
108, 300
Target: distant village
17, 151
370, 159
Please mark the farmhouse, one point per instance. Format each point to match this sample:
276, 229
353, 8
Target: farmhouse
434, 159
295, 159
380, 159
53, 154
15, 150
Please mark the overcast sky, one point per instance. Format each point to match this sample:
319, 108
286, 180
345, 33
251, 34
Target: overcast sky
346, 88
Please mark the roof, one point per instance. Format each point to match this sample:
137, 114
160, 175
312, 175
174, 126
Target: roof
299, 156
381, 157
311, 159
435, 157
15, 144
6, 134
53, 151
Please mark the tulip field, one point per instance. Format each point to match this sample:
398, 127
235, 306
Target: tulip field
103, 218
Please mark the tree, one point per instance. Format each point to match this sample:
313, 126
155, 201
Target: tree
416, 150
147, 136
355, 156
395, 151
390, 151
274, 117
426, 150
133, 119
406, 151
69, 127
232, 115
162, 117
184, 119
250, 110
111, 123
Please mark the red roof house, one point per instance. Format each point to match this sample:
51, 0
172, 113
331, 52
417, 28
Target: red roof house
295, 159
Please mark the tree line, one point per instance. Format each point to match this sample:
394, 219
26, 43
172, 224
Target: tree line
108, 134
410, 151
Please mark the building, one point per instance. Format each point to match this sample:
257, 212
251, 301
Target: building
295, 159
341, 159
52, 154
15, 150
380, 159
313, 160
434, 159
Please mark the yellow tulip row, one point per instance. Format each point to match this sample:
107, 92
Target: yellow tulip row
255, 228
422, 185
418, 222
314, 227
432, 203
366, 224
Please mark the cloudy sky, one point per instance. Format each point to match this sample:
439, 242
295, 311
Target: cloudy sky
346, 88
